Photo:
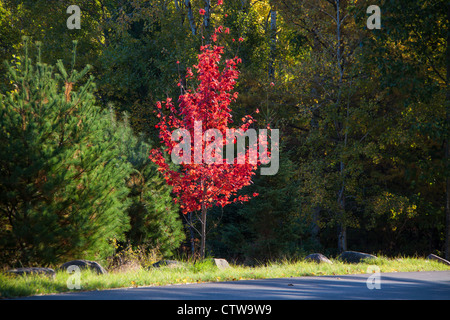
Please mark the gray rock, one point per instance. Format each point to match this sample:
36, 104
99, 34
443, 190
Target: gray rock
355, 257
84, 264
167, 263
318, 257
26, 271
439, 259
221, 263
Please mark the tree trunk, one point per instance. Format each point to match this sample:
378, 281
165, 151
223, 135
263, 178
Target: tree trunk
191, 233
447, 208
191, 17
446, 144
342, 241
203, 236
203, 222
207, 15
273, 43
315, 227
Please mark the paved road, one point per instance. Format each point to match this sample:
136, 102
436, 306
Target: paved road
388, 286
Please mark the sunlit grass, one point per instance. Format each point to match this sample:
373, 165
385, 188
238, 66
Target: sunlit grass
16, 286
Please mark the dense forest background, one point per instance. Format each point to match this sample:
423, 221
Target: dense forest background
363, 116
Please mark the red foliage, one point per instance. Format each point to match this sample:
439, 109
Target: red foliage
201, 185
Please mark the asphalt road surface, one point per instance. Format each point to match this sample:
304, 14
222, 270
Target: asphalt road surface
433, 285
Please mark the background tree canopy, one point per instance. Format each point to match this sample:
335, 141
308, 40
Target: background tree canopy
363, 117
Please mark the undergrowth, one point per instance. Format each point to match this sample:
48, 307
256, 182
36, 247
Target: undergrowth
199, 272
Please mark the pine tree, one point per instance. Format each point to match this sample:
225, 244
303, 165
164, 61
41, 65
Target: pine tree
62, 190
154, 217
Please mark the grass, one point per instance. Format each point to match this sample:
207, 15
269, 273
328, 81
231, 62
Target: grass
18, 286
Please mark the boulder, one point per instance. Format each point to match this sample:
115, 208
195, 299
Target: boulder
221, 263
26, 271
84, 264
167, 263
439, 259
318, 257
355, 257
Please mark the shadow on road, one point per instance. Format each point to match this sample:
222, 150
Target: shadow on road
393, 286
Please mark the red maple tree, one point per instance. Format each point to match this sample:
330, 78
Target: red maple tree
205, 179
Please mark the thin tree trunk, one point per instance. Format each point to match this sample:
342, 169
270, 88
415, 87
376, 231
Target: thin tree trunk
207, 15
342, 241
447, 207
203, 222
273, 43
191, 234
191, 17
315, 227
203, 237
447, 145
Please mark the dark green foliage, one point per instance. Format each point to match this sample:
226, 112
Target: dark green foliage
274, 220
154, 218
138, 64
62, 190
410, 84
270, 226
